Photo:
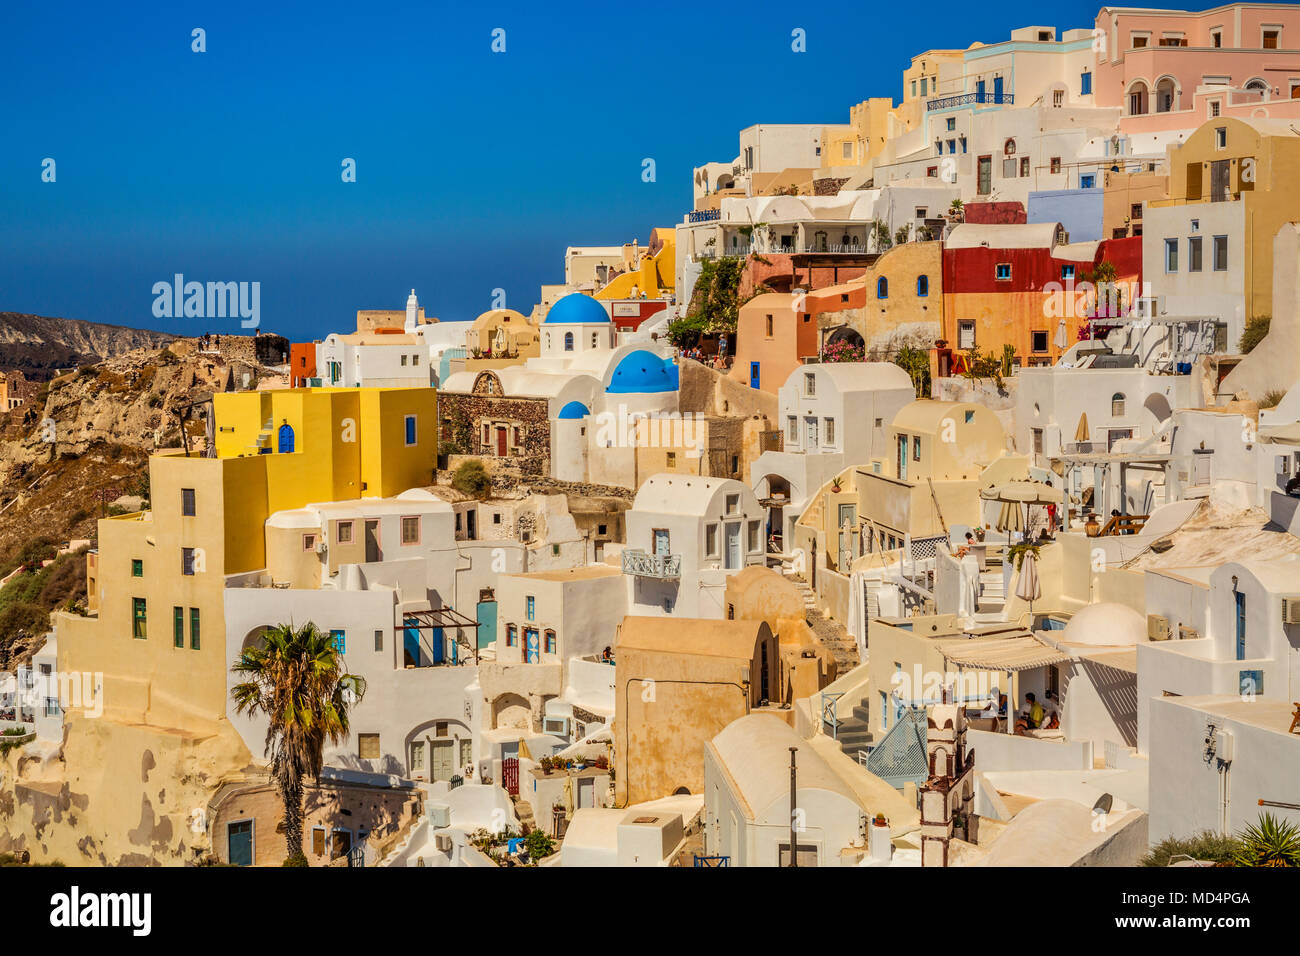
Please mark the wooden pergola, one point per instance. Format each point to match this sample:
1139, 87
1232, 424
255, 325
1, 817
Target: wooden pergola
444, 619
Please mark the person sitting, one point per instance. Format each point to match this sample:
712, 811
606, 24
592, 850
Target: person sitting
1293, 486
1031, 716
1051, 711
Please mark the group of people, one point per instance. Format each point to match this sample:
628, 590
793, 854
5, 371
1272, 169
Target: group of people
1034, 715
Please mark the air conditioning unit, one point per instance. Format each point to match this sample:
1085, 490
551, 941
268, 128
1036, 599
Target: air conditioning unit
1157, 627
439, 815
1186, 633
1291, 610
442, 842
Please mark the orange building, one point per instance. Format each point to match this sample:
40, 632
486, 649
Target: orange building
302, 363
774, 334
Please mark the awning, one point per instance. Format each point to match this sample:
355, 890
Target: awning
1283, 435
1001, 654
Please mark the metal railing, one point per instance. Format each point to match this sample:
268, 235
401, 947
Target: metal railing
829, 716
666, 567
703, 215
712, 861
967, 99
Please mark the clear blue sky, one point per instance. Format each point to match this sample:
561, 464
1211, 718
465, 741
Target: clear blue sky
474, 169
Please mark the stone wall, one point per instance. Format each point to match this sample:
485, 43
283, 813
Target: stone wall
530, 415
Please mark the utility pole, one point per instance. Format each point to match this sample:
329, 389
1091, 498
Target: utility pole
794, 846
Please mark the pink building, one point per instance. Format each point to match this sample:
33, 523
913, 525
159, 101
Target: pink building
1175, 69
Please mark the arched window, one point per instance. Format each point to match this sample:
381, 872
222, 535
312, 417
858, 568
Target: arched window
1117, 405
1009, 147
882, 288
568, 341
922, 286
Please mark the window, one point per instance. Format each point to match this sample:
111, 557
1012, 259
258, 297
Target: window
368, 746
187, 502
970, 416
178, 626
952, 122
379, 640
410, 530
751, 533
512, 636
595, 339
568, 341
410, 430
1221, 137
733, 504
137, 568
922, 286
550, 642
672, 459
415, 359
139, 618
1117, 405
530, 607
1024, 166
1135, 211
1085, 84
1271, 37
344, 532
1214, 109
1194, 254
828, 432
769, 326
1216, 39
1067, 272
1039, 340
1058, 98
1171, 255
792, 428
809, 384
1055, 164
194, 629
309, 542
916, 448
187, 561
966, 334
924, 84
882, 288
340, 639
921, 212
1002, 272
1140, 40
711, 540
932, 172
1220, 253
403, 361
1038, 440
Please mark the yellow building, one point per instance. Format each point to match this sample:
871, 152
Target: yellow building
157, 581
500, 338
653, 275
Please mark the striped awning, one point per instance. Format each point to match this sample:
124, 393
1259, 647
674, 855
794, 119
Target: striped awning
1001, 654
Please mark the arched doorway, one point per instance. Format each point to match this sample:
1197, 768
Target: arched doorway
284, 440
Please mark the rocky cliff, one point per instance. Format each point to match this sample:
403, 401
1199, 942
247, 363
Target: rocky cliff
39, 346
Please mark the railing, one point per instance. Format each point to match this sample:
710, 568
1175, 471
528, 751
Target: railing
713, 252
773, 440
966, 99
703, 215
828, 713
666, 567
712, 861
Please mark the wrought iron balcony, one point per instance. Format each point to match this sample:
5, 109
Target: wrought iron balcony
704, 215
967, 99
666, 567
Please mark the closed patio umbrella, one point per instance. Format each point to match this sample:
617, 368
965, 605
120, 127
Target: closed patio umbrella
1081, 433
1028, 587
1062, 336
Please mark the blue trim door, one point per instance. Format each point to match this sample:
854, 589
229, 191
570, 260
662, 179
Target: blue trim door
239, 843
753, 375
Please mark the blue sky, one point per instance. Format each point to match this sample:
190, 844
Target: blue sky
474, 169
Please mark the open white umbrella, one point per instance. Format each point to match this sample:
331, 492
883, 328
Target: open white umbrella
1022, 493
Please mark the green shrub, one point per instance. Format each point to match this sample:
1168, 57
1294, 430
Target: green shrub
1270, 842
1254, 332
298, 859
1203, 846
471, 478
538, 845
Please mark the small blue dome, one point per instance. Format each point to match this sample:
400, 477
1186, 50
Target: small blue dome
643, 371
574, 410
577, 309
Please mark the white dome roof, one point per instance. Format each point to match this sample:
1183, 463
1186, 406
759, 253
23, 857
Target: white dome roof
1106, 625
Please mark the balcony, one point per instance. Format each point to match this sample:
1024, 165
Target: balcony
704, 215
771, 440
664, 567
970, 99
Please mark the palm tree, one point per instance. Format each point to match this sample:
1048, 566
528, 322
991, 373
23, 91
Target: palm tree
1271, 842
295, 677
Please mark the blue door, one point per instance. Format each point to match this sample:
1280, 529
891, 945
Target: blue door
286, 439
534, 650
239, 843
411, 645
997, 89
487, 622
439, 651
979, 91
753, 375
1241, 625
